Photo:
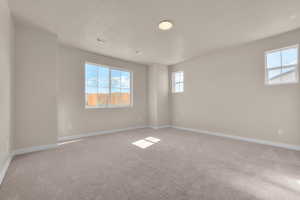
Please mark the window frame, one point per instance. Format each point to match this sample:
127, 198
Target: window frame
174, 83
281, 66
108, 106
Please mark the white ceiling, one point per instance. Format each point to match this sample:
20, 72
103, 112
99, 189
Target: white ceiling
130, 25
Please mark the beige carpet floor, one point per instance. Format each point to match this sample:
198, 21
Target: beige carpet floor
181, 166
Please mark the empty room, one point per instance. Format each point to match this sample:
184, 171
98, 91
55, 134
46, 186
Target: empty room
149, 100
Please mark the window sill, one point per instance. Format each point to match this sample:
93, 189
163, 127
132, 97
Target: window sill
177, 92
107, 107
278, 84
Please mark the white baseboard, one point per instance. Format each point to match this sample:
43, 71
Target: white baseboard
265, 142
34, 149
159, 127
4, 168
72, 137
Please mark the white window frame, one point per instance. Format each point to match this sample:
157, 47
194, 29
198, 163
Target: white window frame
174, 83
109, 87
280, 67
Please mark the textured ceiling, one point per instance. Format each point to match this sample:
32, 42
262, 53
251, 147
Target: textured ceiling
127, 26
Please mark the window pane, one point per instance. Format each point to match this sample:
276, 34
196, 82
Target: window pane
274, 59
103, 77
91, 90
177, 87
115, 96
181, 77
275, 81
289, 77
274, 74
92, 83
91, 72
181, 87
289, 56
288, 69
178, 77
120, 88
125, 97
91, 96
125, 79
91, 75
115, 78
103, 95
178, 81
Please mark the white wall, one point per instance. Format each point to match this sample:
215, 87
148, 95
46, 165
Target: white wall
50, 91
158, 96
225, 92
6, 82
36, 85
152, 96
163, 96
73, 118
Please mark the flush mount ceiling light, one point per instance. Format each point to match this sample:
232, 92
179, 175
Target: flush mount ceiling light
165, 25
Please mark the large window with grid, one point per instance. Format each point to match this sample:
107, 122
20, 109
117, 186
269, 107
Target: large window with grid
282, 65
107, 87
177, 82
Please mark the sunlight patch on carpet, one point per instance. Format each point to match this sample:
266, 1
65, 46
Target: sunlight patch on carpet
146, 142
152, 139
142, 144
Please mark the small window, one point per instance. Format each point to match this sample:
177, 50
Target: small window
107, 87
178, 82
282, 66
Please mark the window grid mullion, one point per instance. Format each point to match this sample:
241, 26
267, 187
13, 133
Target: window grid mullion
97, 101
109, 86
281, 65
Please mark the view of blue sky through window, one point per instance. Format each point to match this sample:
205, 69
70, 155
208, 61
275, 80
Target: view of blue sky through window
178, 82
98, 78
105, 85
282, 65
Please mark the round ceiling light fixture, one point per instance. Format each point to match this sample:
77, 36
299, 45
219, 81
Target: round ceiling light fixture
165, 25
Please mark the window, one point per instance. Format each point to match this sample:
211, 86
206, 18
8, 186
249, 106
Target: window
107, 87
177, 81
282, 66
